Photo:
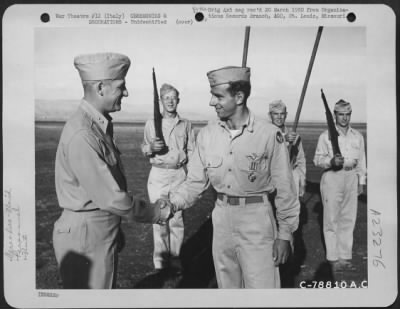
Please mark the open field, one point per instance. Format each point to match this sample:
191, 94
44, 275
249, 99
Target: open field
135, 265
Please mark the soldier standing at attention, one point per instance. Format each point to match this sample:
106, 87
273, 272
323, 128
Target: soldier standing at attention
343, 180
168, 171
90, 183
278, 114
244, 158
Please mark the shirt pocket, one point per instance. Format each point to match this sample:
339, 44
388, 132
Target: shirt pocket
62, 228
213, 165
354, 150
181, 140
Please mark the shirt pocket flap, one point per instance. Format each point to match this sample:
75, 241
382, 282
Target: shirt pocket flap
63, 229
213, 161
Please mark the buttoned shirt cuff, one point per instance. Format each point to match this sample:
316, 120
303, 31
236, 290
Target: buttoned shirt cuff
362, 180
179, 202
285, 235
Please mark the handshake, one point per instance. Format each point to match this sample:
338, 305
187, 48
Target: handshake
159, 212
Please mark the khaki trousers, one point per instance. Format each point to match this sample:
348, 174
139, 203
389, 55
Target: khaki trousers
168, 238
339, 199
243, 238
85, 245
296, 178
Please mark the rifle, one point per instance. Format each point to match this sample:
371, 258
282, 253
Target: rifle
157, 114
293, 150
246, 46
333, 134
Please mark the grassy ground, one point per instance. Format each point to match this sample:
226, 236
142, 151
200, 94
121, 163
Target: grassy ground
135, 265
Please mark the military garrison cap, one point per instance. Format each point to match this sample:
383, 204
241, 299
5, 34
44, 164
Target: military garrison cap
102, 66
342, 106
229, 74
277, 106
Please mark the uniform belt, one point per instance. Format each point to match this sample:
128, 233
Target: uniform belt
235, 200
345, 168
167, 166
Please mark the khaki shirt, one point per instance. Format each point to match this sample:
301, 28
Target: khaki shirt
180, 141
352, 148
299, 162
88, 168
253, 163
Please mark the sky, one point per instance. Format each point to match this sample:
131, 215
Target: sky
278, 58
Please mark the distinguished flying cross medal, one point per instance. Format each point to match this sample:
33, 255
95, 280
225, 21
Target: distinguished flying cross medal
254, 161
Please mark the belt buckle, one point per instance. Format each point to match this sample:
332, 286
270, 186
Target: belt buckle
233, 200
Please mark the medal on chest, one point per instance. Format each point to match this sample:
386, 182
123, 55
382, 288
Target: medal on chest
254, 162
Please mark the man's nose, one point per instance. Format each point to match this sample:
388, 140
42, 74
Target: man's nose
213, 101
125, 93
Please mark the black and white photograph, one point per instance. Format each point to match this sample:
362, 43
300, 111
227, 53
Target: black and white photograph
199, 156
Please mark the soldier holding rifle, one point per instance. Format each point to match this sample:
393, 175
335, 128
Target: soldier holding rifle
341, 152
278, 114
169, 153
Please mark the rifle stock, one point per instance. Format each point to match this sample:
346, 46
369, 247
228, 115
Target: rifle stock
333, 134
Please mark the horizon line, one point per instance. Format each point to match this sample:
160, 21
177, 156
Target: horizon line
140, 121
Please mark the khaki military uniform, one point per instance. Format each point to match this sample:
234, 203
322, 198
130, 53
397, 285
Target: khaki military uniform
298, 163
91, 189
243, 169
339, 191
168, 171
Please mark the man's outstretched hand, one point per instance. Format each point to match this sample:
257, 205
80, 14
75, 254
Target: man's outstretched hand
159, 212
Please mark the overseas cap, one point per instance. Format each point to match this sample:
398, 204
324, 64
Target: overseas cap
277, 106
101, 66
342, 106
228, 74
165, 88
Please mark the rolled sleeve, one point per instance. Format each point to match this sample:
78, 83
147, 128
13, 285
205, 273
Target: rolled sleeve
93, 173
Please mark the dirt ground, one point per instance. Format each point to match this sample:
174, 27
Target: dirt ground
307, 267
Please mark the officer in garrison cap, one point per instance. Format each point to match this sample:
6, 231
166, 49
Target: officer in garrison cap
278, 114
244, 158
340, 188
90, 182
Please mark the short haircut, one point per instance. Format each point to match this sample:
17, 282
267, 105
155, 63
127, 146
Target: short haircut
165, 88
244, 86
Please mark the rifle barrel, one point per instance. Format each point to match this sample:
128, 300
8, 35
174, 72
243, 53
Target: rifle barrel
246, 46
310, 65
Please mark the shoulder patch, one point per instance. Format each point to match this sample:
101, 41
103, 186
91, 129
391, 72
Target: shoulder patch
279, 137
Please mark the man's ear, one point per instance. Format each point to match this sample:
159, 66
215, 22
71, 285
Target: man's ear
239, 97
100, 88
